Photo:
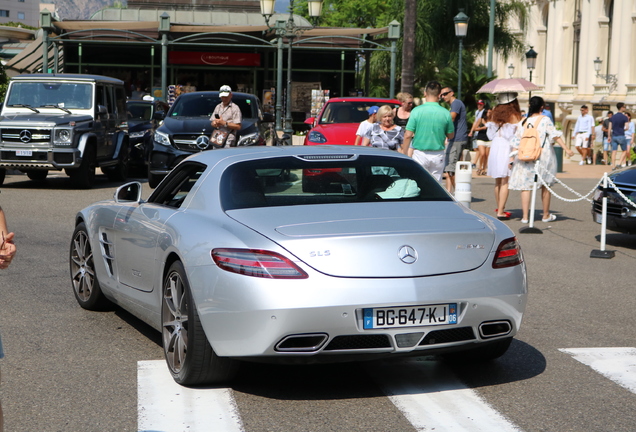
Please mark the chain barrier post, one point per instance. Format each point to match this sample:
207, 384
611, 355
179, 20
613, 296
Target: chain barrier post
602, 253
531, 229
463, 179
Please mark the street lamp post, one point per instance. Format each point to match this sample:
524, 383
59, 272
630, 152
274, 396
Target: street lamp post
289, 30
611, 79
461, 29
531, 62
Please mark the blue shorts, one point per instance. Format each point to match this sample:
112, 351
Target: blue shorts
619, 141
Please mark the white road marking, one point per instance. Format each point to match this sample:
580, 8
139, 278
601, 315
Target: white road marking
432, 398
165, 406
617, 364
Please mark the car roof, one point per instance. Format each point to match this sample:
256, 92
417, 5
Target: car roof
67, 77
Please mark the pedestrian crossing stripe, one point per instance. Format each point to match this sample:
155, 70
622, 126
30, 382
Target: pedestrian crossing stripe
617, 364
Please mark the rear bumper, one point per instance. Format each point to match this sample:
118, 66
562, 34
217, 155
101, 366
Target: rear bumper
248, 317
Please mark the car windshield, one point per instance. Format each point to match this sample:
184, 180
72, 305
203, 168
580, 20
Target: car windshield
139, 111
346, 112
203, 106
303, 180
50, 94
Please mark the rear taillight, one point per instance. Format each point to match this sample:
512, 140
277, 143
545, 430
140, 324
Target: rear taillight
257, 263
508, 254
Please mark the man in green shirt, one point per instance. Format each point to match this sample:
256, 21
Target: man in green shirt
428, 127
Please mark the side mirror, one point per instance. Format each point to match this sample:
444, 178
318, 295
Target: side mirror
159, 115
101, 110
268, 118
310, 121
130, 192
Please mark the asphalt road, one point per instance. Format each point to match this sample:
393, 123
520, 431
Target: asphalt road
67, 369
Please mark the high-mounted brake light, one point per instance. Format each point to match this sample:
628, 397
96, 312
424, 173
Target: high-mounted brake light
508, 254
257, 263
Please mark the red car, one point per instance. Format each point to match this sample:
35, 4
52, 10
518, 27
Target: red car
339, 119
337, 124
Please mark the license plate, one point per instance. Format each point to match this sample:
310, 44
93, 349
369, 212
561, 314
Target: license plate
23, 153
410, 316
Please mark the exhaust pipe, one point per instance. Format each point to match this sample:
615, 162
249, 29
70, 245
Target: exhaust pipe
494, 328
302, 342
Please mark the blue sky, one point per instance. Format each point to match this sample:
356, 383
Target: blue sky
281, 6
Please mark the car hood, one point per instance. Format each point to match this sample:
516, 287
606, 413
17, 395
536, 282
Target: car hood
625, 176
371, 241
339, 133
42, 118
180, 125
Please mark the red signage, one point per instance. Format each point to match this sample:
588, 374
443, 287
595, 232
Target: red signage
214, 59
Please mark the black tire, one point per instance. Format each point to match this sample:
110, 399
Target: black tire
480, 354
84, 176
3, 174
190, 358
37, 175
120, 171
154, 179
83, 278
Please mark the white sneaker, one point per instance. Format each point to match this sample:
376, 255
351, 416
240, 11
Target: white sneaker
589, 161
582, 162
550, 218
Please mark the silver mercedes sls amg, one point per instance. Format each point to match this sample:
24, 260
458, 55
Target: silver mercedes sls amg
231, 258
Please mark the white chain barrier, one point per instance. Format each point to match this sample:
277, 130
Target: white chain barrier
538, 169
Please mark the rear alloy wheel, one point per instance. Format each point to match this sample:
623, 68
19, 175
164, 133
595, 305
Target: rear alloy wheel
119, 172
191, 360
84, 176
85, 284
37, 175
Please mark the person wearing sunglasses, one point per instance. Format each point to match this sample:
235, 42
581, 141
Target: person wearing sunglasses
459, 142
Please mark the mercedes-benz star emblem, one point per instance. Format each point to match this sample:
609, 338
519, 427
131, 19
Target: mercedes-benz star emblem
25, 136
203, 142
407, 254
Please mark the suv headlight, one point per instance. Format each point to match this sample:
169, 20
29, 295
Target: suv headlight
162, 138
248, 140
137, 134
63, 137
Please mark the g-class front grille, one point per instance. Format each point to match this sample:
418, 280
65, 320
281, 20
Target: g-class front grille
27, 136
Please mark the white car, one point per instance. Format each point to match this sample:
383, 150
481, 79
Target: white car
231, 260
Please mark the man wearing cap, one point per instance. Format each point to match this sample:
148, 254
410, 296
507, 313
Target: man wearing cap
582, 135
428, 127
226, 118
459, 141
366, 125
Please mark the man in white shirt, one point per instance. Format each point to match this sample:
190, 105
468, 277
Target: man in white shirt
366, 125
582, 135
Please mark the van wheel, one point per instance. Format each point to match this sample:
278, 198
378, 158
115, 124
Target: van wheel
84, 176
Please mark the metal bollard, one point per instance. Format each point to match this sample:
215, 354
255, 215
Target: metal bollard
463, 179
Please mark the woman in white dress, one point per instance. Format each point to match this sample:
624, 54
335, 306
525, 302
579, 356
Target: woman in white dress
502, 132
522, 177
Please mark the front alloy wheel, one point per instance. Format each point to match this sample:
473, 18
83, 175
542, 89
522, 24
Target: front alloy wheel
85, 284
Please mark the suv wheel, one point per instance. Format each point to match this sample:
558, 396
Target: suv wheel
84, 176
37, 175
119, 172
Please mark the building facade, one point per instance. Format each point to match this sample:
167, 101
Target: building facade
569, 35
23, 11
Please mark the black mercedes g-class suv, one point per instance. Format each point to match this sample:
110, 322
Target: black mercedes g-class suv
65, 121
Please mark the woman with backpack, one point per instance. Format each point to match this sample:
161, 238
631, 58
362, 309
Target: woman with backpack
502, 131
522, 177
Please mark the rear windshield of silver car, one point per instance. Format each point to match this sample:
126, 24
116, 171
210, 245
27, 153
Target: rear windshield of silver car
291, 181
50, 95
